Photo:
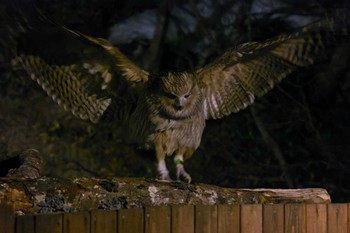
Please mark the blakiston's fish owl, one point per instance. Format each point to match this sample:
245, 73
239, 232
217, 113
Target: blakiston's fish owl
167, 112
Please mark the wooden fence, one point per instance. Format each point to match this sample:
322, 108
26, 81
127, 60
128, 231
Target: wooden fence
272, 218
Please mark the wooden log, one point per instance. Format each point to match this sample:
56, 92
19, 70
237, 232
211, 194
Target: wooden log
47, 195
30, 164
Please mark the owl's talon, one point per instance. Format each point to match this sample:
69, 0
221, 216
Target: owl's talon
181, 173
159, 180
164, 177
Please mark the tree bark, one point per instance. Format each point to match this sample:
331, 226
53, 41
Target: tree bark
46, 195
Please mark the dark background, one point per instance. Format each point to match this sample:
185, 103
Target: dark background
297, 136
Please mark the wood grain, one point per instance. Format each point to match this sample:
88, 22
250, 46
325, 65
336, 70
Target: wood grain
182, 219
273, 218
7, 218
103, 221
157, 220
229, 218
316, 215
295, 218
52, 223
130, 220
251, 219
206, 219
25, 224
337, 218
76, 222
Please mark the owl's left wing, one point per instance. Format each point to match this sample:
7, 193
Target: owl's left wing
234, 80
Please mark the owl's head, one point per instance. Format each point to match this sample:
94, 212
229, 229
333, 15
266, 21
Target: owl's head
177, 94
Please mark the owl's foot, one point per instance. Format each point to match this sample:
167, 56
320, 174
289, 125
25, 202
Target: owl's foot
162, 178
181, 174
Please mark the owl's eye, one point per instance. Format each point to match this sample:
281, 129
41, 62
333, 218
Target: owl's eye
187, 95
170, 95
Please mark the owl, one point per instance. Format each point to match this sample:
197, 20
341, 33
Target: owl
167, 112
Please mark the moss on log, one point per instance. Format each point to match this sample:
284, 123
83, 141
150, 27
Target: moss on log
46, 195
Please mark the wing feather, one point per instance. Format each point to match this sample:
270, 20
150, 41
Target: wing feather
234, 80
85, 75
65, 86
131, 72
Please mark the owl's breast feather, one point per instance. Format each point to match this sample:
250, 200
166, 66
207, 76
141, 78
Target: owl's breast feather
176, 134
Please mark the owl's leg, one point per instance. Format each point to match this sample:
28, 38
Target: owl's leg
180, 170
162, 169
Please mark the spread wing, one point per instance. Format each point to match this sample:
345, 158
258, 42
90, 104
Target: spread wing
234, 80
86, 75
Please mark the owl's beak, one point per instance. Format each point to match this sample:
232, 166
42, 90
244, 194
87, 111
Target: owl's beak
180, 102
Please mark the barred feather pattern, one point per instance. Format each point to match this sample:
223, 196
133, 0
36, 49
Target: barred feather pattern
131, 72
65, 87
167, 112
234, 80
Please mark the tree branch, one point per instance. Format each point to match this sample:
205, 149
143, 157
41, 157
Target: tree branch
273, 145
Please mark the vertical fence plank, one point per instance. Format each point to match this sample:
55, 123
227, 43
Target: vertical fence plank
158, 219
130, 221
182, 219
7, 218
76, 222
103, 221
294, 218
229, 218
273, 218
52, 223
25, 224
206, 219
348, 217
289, 218
251, 219
337, 218
316, 215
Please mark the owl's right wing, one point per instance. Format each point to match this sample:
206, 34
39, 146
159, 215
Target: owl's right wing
234, 80
86, 75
